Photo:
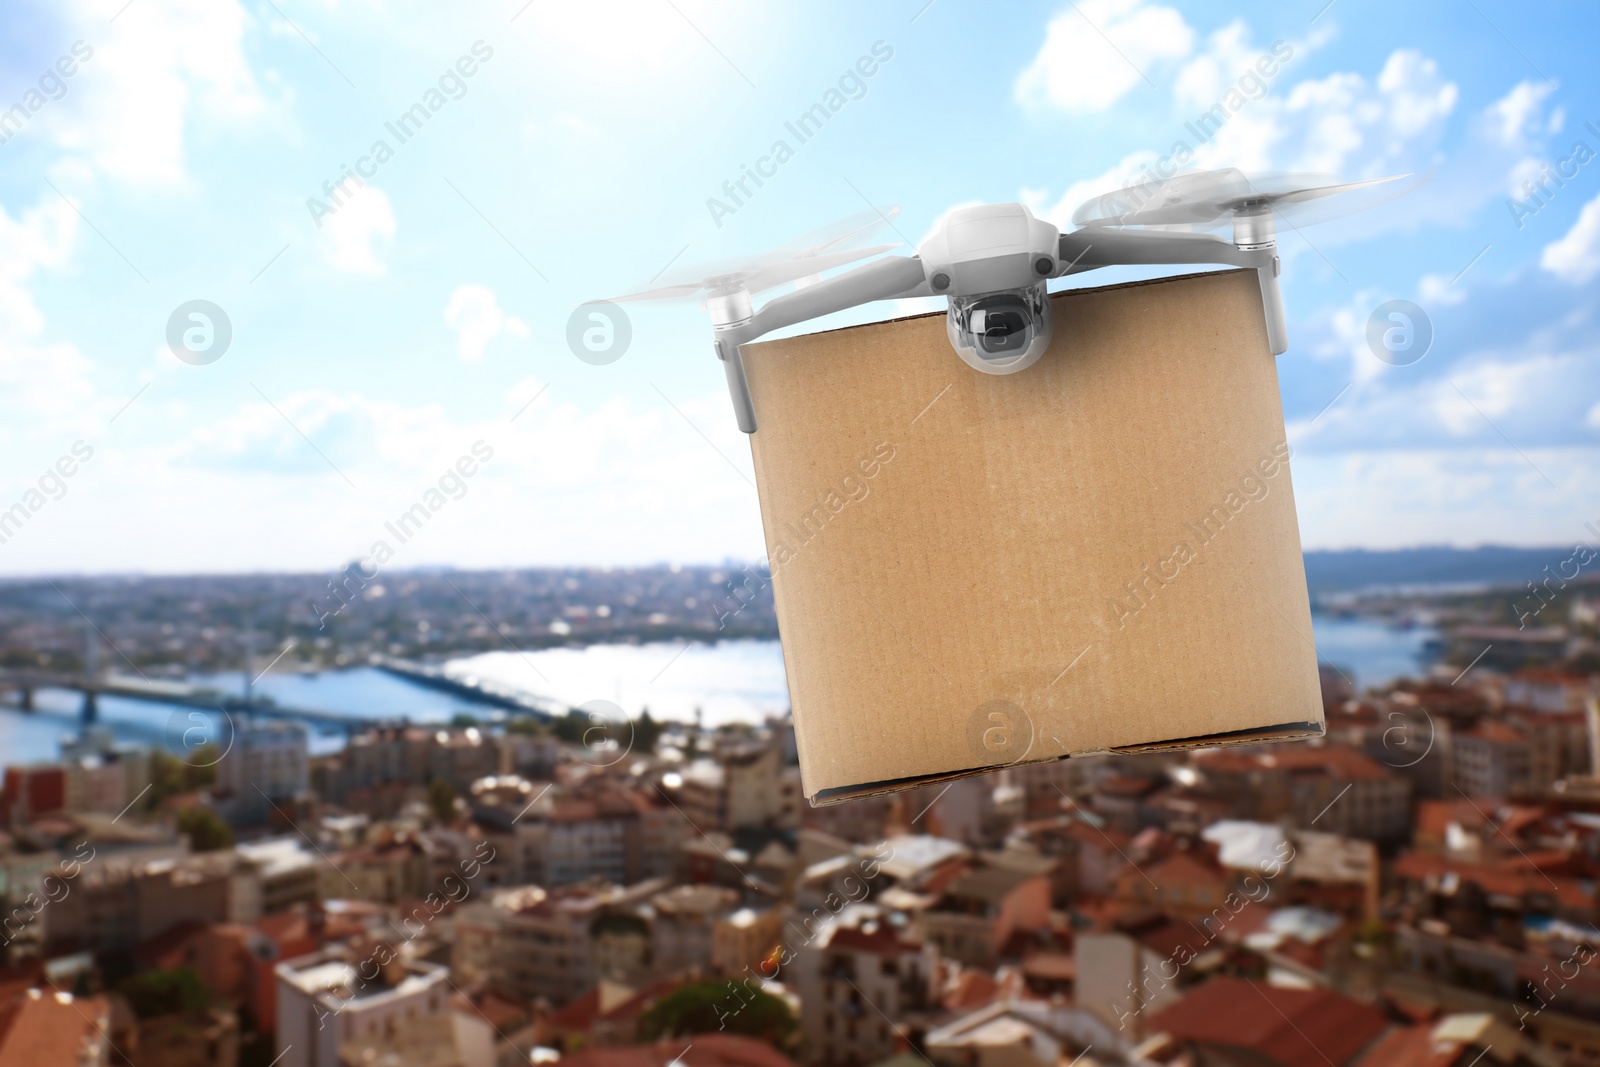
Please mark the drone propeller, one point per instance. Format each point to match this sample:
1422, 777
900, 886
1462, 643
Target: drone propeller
810, 255
1211, 199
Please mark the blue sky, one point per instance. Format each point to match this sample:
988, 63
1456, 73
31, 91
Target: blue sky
371, 352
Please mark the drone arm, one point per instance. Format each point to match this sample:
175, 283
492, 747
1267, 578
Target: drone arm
882, 279
1088, 249
1095, 247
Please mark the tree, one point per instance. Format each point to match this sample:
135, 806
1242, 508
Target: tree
171, 776
207, 832
157, 993
461, 720
442, 800
707, 1007
646, 732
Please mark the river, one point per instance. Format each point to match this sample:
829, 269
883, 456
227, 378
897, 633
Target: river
733, 681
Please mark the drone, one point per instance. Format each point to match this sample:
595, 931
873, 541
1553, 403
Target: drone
993, 261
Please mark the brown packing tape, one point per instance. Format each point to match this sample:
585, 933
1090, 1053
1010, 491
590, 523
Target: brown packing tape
1099, 553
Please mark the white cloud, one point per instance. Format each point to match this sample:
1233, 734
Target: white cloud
127, 106
37, 377
1418, 98
1516, 114
1343, 124
1463, 497
349, 236
474, 314
1095, 51
613, 462
1489, 390
1435, 290
1575, 258
1127, 171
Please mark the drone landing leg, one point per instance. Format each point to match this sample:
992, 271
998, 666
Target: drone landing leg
1272, 304
738, 389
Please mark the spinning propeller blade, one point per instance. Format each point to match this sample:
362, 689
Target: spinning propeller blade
823, 249
1209, 199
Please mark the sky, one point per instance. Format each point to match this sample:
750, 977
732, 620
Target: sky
378, 341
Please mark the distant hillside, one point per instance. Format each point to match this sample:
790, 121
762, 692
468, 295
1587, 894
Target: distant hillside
1357, 568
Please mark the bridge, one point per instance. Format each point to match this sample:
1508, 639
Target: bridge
471, 687
25, 682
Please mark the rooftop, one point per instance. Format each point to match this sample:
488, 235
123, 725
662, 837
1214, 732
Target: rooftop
1292, 1027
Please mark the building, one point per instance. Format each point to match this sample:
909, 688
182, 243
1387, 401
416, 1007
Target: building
386, 874
267, 764
745, 785
116, 906
555, 835
856, 974
1495, 759
97, 747
743, 941
206, 1037
287, 871
682, 935
35, 790
1330, 787
976, 914
326, 1001
1016, 1033
1138, 965
1551, 692
532, 942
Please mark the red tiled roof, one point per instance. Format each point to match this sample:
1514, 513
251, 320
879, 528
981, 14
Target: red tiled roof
704, 1050
1514, 877
881, 939
1412, 1046
1435, 816
1292, 1027
1185, 867
50, 1027
1497, 732
973, 989
580, 1015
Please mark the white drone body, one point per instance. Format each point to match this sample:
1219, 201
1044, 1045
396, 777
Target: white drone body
993, 261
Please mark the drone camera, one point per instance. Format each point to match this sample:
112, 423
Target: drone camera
1000, 332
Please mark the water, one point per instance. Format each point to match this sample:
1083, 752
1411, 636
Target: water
733, 681
1371, 653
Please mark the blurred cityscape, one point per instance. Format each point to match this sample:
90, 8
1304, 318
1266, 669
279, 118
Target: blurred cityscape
533, 882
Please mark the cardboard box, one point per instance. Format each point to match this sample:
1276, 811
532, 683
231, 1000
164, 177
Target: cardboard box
1098, 554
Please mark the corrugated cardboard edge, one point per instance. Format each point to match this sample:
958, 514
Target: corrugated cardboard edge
1298, 731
